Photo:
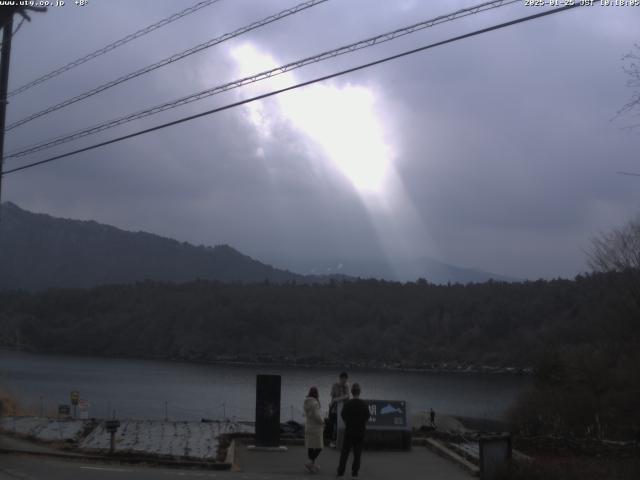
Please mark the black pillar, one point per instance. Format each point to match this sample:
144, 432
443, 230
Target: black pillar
268, 410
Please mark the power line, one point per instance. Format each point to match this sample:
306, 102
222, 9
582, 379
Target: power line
385, 37
294, 87
113, 46
629, 174
168, 60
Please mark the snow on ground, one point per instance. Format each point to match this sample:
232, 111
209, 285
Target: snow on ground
179, 439
46, 429
197, 440
470, 448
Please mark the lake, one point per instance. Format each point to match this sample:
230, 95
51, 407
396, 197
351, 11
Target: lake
188, 391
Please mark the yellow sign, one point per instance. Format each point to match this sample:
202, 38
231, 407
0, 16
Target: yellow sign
75, 396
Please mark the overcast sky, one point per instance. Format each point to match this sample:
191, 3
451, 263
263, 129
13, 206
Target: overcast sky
496, 152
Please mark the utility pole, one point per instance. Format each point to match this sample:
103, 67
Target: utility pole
7, 33
6, 19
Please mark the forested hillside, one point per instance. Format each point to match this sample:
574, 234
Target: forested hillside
39, 251
369, 322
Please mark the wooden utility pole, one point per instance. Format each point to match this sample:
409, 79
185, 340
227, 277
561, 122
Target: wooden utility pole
7, 33
6, 21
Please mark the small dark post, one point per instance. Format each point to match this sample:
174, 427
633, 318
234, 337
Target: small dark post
112, 428
75, 398
268, 410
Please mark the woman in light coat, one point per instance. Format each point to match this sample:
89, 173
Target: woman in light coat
313, 428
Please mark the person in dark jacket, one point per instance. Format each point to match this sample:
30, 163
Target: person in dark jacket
339, 393
355, 414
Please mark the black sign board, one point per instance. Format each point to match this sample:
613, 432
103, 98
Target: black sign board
64, 410
268, 410
387, 413
112, 425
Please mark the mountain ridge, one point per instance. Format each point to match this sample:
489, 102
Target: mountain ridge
39, 251
403, 270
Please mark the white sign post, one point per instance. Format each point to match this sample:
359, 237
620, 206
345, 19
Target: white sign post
84, 409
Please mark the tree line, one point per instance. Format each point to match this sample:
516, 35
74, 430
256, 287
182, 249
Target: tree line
368, 321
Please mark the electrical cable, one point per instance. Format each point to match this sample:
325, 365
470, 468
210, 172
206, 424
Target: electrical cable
166, 61
296, 86
112, 46
385, 37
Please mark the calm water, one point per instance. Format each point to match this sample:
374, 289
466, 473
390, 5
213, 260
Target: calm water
140, 388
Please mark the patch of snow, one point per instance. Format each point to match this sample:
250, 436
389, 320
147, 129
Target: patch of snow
470, 448
46, 429
198, 440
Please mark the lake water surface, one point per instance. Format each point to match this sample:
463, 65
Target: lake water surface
142, 388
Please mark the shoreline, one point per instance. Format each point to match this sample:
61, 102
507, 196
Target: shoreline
434, 368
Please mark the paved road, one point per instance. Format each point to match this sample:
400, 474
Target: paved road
418, 464
26, 467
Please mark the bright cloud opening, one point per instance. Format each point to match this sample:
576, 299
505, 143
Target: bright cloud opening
341, 120
344, 123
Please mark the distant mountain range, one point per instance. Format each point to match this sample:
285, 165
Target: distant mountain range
38, 251
406, 270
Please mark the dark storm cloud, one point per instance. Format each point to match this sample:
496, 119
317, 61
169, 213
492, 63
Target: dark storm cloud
505, 147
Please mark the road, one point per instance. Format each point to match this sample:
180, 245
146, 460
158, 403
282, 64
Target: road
26, 467
417, 464
260, 467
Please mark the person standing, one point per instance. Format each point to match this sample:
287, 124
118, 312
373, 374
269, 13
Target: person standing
355, 414
313, 429
339, 392
432, 417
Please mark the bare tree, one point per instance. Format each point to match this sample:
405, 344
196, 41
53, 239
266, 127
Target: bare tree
617, 250
632, 68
